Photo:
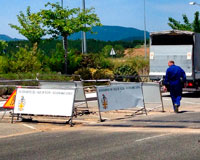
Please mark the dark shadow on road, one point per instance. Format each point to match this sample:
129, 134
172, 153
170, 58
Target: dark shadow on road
183, 112
191, 95
41, 121
188, 95
173, 121
138, 126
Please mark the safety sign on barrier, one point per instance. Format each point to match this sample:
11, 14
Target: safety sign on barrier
10, 103
151, 92
118, 97
44, 102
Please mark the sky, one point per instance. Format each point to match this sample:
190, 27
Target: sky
127, 13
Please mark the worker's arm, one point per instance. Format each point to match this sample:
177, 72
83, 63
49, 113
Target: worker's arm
183, 77
166, 81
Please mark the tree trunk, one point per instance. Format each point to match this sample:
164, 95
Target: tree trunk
35, 48
65, 45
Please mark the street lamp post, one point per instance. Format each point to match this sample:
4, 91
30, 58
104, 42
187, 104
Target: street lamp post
84, 43
145, 36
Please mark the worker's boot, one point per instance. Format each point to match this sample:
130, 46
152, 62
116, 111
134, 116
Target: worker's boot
176, 108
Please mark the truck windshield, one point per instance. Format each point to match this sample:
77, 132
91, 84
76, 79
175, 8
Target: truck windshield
172, 40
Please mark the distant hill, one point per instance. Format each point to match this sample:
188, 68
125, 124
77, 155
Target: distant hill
7, 38
104, 33
113, 33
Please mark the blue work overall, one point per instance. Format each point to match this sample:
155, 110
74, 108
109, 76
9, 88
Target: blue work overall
175, 77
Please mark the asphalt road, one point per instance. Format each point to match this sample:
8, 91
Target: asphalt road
93, 145
155, 137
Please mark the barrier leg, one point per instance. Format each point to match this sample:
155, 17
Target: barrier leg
85, 98
86, 103
3, 114
145, 110
163, 110
73, 109
70, 122
17, 116
100, 119
12, 116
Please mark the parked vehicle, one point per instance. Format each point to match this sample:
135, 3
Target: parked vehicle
183, 47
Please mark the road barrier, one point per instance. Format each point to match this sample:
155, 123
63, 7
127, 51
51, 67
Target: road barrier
48, 87
79, 95
122, 96
152, 94
116, 96
51, 102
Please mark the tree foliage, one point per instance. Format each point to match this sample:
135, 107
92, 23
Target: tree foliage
106, 50
64, 22
30, 26
186, 26
24, 60
3, 46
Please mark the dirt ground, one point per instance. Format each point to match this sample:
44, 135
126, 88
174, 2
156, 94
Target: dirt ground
131, 52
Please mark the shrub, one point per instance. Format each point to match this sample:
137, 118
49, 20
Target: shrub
3, 46
106, 50
97, 61
119, 49
140, 64
53, 77
124, 71
74, 59
56, 60
24, 61
3, 64
103, 74
85, 73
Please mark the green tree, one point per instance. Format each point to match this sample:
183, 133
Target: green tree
186, 26
106, 50
3, 64
3, 46
196, 23
119, 49
30, 26
24, 61
56, 60
64, 22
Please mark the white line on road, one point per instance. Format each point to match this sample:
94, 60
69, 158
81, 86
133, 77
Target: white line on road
147, 138
29, 126
166, 99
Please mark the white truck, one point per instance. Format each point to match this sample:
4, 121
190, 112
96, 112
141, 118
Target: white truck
183, 47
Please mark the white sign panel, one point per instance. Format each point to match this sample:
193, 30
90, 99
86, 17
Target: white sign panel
120, 97
152, 93
44, 102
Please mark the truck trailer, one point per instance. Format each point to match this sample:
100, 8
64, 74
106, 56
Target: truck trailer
183, 47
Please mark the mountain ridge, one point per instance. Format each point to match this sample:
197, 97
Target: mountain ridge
103, 33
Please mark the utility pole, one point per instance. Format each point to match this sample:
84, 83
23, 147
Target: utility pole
84, 43
62, 3
145, 36
63, 37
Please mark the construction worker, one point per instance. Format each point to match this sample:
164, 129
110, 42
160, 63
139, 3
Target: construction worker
174, 80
